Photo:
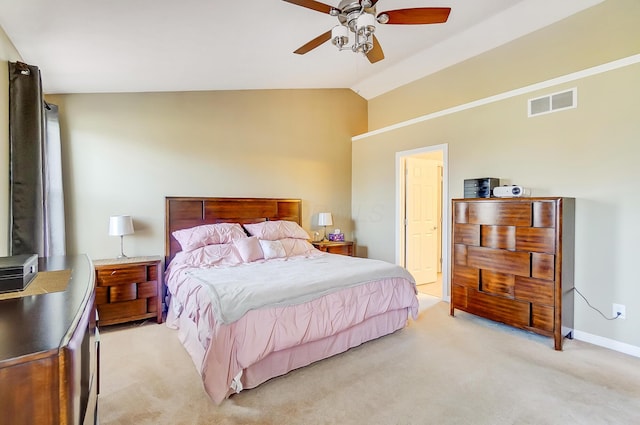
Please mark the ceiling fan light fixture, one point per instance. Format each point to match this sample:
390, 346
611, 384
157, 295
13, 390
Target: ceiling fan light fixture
340, 36
359, 17
366, 24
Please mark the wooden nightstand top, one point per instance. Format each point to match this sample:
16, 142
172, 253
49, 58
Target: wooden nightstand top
332, 243
335, 247
126, 260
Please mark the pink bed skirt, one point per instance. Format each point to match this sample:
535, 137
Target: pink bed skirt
267, 343
281, 362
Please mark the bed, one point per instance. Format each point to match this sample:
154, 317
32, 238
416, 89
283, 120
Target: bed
247, 314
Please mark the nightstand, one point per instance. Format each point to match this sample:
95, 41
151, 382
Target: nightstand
128, 289
343, 247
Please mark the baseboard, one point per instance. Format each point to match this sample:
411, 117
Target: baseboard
611, 344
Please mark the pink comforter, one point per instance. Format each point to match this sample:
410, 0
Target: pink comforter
222, 352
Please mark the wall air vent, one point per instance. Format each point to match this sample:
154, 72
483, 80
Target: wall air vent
555, 102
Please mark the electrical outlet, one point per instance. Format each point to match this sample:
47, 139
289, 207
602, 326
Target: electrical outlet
619, 308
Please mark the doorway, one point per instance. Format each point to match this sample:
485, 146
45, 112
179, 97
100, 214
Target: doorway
421, 211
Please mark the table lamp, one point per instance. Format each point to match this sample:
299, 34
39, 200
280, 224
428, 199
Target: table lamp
120, 225
325, 219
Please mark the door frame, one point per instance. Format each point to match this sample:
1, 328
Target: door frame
400, 210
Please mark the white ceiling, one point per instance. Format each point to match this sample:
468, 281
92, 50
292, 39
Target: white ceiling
93, 46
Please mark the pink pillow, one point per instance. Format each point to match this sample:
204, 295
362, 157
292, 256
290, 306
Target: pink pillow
277, 229
212, 255
294, 247
249, 249
208, 234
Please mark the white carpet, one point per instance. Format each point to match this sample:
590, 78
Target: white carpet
426, 301
438, 370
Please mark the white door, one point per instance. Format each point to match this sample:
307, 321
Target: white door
421, 231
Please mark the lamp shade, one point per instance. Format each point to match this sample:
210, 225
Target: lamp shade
325, 219
340, 35
366, 23
120, 225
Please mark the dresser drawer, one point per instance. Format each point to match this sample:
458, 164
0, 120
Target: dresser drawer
121, 275
536, 291
514, 312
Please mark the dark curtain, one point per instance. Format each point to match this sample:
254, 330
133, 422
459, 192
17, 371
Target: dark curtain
28, 167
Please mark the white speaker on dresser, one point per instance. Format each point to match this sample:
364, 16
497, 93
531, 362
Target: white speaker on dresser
512, 191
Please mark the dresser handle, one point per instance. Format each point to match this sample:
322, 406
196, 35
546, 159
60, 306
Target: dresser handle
113, 272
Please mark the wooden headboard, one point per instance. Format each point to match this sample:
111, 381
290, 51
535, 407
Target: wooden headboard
186, 212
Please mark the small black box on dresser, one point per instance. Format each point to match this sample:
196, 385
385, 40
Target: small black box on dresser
480, 187
17, 271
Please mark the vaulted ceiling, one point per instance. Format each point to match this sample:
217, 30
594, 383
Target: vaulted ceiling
96, 46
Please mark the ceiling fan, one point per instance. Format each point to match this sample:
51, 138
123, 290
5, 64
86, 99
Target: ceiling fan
359, 17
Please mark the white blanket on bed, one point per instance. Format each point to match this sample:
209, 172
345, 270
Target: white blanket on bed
283, 282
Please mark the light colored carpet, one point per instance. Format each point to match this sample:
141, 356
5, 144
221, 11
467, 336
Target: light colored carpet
438, 370
426, 301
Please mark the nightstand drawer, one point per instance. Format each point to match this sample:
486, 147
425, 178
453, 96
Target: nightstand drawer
102, 295
116, 276
115, 311
147, 289
340, 249
123, 292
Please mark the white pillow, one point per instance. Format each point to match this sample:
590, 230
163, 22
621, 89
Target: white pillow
277, 229
272, 249
249, 249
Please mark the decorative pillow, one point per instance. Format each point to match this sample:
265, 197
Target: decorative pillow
249, 249
208, 234
277, 229
272, 249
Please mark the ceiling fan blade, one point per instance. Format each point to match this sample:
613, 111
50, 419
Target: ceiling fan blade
418, 15
376, 53
314, 43
311, 4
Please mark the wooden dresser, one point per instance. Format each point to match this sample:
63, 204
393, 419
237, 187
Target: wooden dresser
49, 351
513, 262
129, 289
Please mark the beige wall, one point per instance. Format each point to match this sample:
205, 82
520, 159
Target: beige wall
8, 53
123, 153
589, 153
598, 35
